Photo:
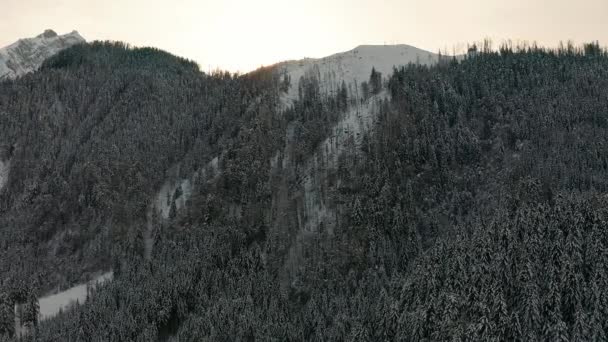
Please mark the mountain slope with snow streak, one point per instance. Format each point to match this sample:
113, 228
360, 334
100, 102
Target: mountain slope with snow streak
317, 211
27, 55
353, 68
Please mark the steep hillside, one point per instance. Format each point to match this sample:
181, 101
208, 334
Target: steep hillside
92, 138
355, 78
462, 200
188, 151
26, 55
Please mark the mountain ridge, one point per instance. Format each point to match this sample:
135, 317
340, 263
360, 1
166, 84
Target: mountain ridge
353, 66
27, 54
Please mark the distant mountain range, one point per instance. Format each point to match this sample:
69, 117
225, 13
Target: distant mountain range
26, 55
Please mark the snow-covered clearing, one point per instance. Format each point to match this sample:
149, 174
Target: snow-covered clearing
53, 304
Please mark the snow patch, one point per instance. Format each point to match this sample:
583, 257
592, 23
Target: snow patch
214, 166
4, 170
173, 191
180, 190
52, 305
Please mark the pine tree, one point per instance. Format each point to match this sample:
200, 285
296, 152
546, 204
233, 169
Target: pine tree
343, 97
375, 81
31, 309
7, 315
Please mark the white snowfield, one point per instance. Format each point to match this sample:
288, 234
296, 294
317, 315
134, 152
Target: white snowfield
353, 67
27, 55
53, 304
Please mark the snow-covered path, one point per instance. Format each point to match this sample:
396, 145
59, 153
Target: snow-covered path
51, 305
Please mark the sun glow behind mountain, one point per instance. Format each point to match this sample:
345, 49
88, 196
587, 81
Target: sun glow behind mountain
244, 34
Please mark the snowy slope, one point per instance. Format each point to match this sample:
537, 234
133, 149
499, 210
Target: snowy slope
352, 67
346, 134
165, 196
26, 55
316, 211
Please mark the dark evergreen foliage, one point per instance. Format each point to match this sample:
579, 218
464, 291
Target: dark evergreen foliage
475, 210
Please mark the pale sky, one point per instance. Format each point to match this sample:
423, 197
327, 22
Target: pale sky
241, 35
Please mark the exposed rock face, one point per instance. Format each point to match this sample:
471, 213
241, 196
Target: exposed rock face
26, 55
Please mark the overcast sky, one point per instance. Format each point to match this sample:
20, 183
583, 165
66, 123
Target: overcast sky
245, 34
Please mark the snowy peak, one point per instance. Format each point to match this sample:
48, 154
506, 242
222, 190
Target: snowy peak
26, 55
354, 66
397, 55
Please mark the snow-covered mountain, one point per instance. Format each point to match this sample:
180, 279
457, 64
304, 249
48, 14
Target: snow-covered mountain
26, 55
353, 67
